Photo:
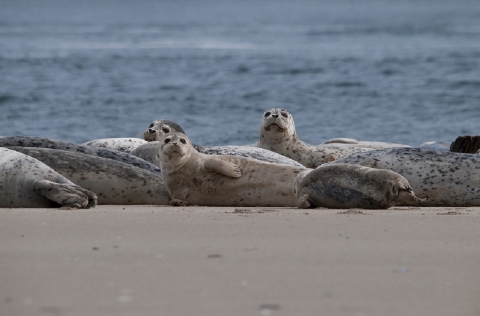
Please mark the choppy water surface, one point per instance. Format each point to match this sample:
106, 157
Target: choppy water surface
400, 71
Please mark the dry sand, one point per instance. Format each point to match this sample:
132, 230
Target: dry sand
149, 260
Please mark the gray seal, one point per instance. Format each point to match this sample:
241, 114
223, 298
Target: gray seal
112, 181
442, 178
27, 182
159, 128
351, 186
40, 142
221, 180
278, 134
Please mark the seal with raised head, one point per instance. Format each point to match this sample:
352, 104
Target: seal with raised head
278, 134
27, 182
112, 181
41, 142
123, 144
222, 180
159, 128
351, 186
442, 178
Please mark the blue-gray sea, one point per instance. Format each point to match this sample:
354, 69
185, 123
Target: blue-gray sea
398, 71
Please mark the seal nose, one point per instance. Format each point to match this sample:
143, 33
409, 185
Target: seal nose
152, 131
274, 115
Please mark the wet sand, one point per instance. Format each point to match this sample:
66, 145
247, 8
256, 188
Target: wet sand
150, 260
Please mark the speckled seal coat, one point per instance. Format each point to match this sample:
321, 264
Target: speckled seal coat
122, 144
278, 134
351, 186
112, 181
40, 142
159, 128
27, 182
217, 180
442, 178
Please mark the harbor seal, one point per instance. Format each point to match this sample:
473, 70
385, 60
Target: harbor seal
443, 178
27, 182
221, 180
351, 186
40, 142
122, 144
278, 134
112, 181
159, 128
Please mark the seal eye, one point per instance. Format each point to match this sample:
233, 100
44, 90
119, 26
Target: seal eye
183, 141
284, 114
267, 114
167, 140
165, 130
151, 125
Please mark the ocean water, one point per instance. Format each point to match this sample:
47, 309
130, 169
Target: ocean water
398, 71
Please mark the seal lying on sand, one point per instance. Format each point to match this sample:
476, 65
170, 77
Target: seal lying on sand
125, 145
442, 178
159, 128
278, 134
351, 186
216, 180
27, 182
114, 182
27, 141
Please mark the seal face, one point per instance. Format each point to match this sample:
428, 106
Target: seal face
278, 134
158, 128
27, 182
223, 180
351, 186
442, 178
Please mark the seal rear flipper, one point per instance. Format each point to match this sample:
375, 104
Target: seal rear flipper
66, 194
226, 168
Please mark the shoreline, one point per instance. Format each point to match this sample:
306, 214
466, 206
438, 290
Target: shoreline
163, 260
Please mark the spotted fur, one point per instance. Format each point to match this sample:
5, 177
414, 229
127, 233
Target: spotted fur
27, 182
112, 181
442, 178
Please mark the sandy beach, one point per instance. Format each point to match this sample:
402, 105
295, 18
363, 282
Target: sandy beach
154, 260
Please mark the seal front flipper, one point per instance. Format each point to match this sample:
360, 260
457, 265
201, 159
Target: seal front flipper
303, 202
66, 194
226, 168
